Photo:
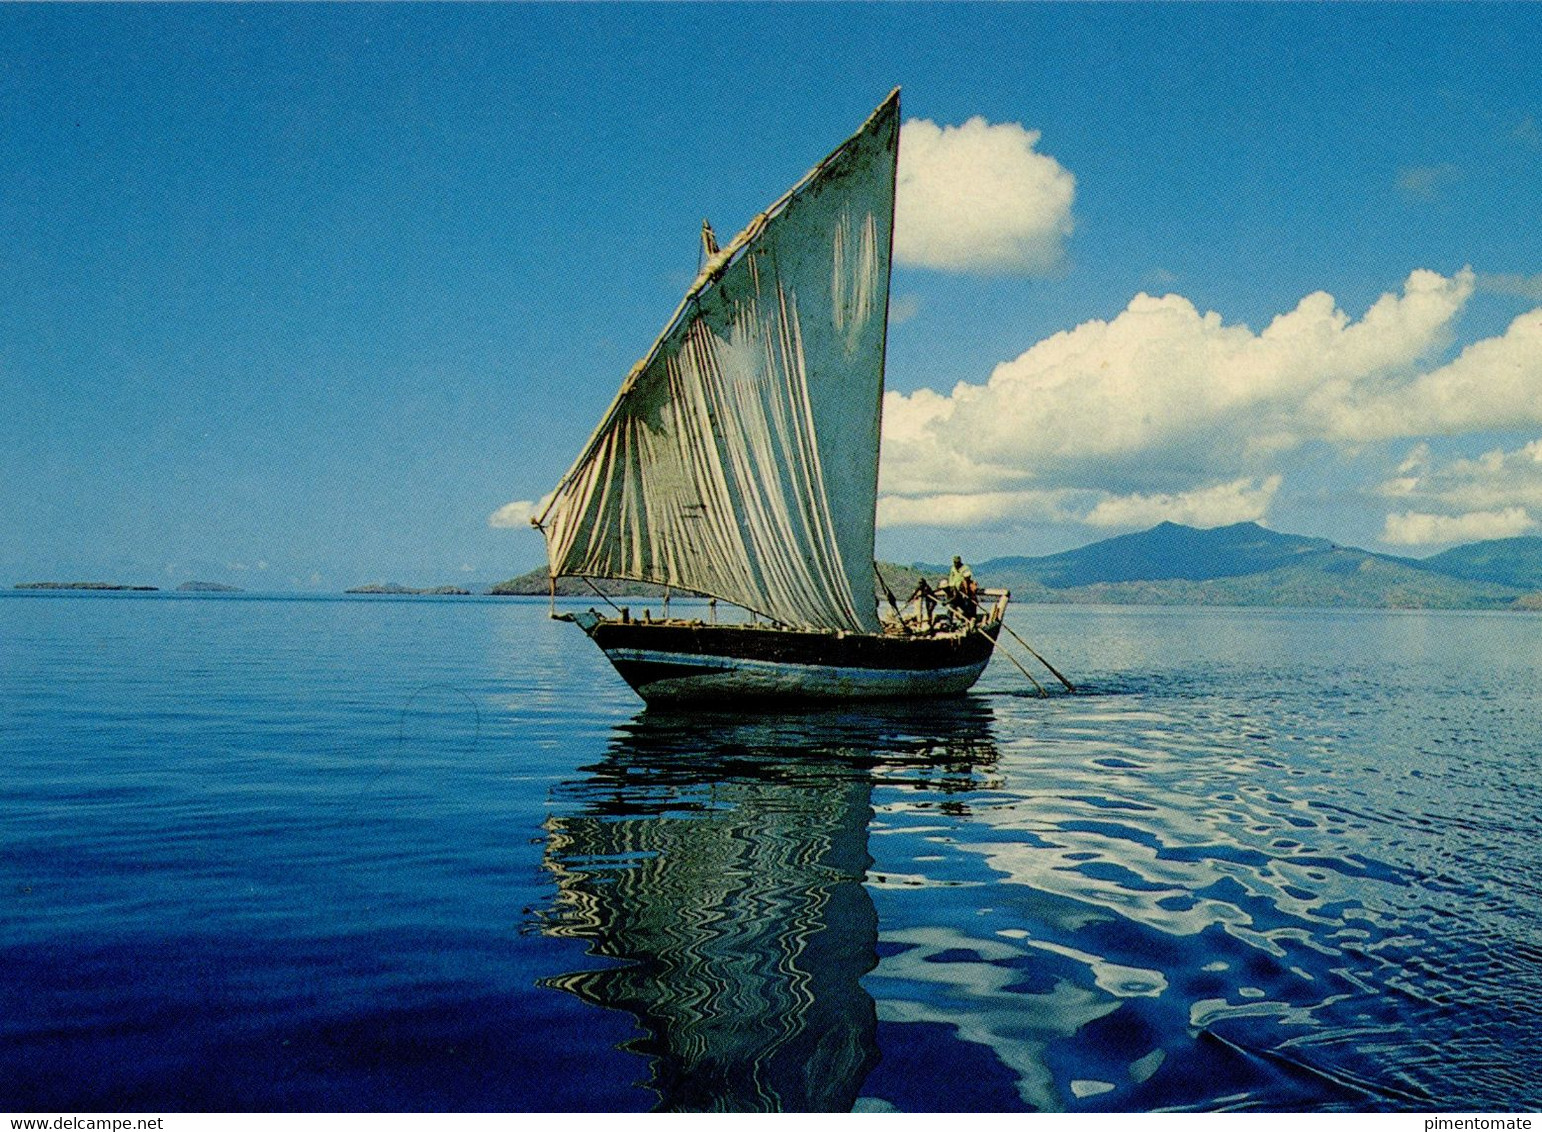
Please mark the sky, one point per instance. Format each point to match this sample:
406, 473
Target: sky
301, 297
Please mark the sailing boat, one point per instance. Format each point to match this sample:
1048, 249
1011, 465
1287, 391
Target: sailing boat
739, 461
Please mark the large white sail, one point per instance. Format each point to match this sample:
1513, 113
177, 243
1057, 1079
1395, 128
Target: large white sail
740, 458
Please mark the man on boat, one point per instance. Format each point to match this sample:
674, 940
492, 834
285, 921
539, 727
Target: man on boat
963, 592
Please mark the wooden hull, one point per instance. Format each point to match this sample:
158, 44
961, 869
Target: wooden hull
730, 665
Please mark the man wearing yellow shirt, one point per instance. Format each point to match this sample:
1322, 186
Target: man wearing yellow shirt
963, 592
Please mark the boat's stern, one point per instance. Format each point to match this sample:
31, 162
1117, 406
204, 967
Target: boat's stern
998, 613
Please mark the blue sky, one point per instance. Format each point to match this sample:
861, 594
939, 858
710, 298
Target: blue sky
299, 296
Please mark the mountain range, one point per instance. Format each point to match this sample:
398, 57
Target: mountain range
1246, 564
1241, 564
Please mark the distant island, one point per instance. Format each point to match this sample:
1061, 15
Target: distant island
537, 583
393, 588
79, 586
1239, 565
208, 588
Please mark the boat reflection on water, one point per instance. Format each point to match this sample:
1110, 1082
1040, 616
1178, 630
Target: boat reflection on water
722, 862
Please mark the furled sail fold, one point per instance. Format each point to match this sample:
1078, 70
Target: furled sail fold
740, 458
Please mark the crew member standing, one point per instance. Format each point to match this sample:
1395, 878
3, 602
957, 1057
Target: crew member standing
964, 592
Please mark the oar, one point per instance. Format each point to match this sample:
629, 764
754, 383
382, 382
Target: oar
1013, 659
1068, 685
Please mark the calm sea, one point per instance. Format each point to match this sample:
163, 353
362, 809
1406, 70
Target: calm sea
410, 853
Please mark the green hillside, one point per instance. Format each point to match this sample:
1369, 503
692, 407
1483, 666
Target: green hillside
1508, 561
1334, 578
1168, 550
537, 583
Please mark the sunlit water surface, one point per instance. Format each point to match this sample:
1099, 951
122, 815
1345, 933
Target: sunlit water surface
262, 853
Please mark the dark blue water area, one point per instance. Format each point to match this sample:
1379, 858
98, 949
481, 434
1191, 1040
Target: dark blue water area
284, 853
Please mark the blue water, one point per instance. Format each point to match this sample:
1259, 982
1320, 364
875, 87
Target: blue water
397, 853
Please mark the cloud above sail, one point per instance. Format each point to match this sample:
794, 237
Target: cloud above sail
980, 198
1167, 412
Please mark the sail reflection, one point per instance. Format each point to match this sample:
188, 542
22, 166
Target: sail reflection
722, 864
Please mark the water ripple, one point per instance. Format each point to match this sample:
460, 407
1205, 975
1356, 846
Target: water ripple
342, 854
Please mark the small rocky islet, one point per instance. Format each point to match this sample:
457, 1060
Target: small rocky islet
80, 586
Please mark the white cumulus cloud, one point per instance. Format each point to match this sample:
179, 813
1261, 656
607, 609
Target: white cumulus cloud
1237, 502
1496, 480
1492, 385
1164, 398
957, 509
980, 198
1415, 528
516, 514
